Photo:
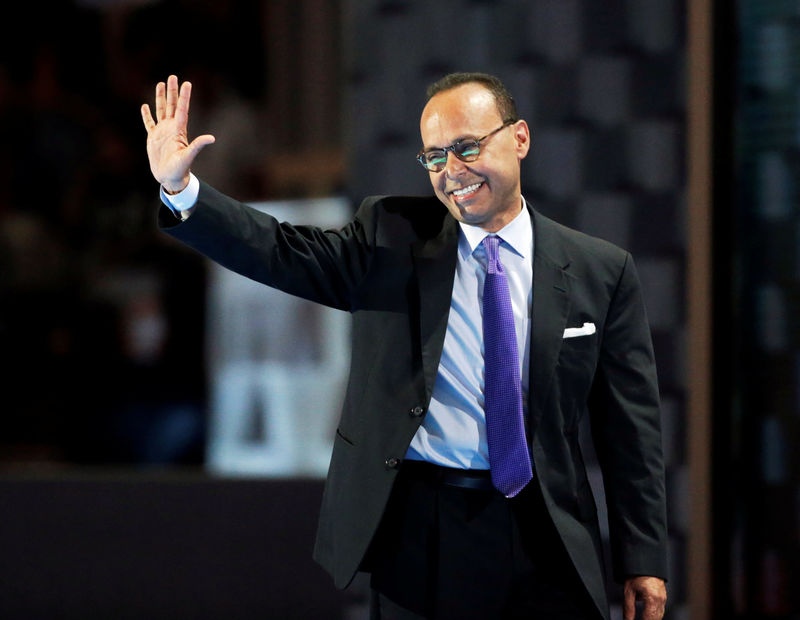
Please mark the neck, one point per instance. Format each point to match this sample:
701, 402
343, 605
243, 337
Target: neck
503, 219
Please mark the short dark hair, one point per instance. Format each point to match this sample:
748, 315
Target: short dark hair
502, 97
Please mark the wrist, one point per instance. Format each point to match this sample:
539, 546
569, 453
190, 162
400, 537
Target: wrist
176, 188
184, 199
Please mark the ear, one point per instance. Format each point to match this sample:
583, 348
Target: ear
522, 139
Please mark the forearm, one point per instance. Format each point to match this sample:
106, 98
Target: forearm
306, 261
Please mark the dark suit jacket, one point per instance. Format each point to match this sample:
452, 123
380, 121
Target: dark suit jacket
393, 267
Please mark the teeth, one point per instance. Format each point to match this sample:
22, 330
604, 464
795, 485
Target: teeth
466, 190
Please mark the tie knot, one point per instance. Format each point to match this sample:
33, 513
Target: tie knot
491, 244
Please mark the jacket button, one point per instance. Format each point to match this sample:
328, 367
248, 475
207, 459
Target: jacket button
392, 462
417, 412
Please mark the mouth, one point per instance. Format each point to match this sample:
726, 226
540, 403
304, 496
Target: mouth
465, 193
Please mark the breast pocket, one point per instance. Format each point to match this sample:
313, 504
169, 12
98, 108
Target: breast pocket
578, 355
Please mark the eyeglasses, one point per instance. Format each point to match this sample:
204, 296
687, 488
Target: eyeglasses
468, 149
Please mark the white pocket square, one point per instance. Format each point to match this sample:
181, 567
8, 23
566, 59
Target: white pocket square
573, 332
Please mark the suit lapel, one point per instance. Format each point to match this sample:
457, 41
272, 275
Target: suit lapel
435, 264
550, 309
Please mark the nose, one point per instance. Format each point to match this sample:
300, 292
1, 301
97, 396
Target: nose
454, 166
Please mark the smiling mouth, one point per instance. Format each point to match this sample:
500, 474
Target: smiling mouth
466, 191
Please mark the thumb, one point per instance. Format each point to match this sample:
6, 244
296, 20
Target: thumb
199, 143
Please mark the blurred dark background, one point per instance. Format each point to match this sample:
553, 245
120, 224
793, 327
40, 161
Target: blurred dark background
109, 511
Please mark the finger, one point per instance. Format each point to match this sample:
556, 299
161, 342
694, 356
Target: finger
147, 118
182, 109
199, 143
629, 605
192, 150
172, 95
161, 111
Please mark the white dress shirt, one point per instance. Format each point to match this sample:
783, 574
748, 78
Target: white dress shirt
453, 432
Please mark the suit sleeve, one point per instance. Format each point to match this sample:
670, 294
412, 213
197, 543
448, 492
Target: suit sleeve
324, 266
626, 428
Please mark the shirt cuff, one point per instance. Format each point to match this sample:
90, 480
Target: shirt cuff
182, 204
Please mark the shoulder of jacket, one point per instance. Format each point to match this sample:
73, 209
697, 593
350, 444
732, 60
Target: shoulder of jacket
578, 241
402, 205
419, 216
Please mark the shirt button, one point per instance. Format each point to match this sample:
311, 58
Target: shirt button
417, 412
392, 462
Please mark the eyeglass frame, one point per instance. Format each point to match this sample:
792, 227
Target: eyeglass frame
452, 147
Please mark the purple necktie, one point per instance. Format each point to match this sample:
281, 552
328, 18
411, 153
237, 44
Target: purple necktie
509, 459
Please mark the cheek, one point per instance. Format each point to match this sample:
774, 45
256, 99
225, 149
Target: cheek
442, 198
438, 184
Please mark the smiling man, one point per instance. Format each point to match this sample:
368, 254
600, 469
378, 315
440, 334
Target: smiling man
486, 191
483, 333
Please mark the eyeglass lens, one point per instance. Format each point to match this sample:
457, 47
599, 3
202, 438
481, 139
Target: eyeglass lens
465, 150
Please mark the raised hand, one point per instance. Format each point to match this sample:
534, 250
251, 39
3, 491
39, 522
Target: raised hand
168, 147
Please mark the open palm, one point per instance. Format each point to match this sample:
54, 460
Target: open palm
168, 147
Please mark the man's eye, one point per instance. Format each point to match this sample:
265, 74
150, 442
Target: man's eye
470, 149
436, 157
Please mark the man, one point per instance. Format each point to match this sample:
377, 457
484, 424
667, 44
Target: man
482, 333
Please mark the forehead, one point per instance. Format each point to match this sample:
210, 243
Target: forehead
467, 110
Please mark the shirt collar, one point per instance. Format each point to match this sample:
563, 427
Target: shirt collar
518, 234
